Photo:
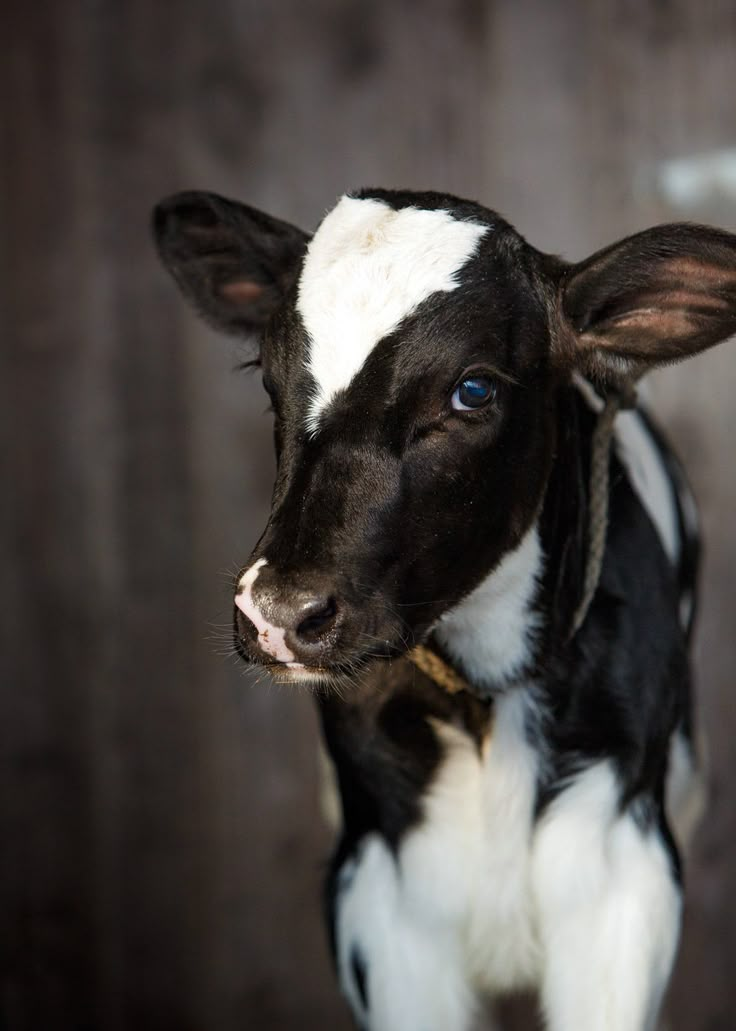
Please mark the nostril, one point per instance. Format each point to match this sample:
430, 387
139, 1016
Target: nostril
318, 616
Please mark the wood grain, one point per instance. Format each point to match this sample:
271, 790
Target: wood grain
162, 848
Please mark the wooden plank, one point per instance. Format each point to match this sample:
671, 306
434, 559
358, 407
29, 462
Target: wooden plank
164, 843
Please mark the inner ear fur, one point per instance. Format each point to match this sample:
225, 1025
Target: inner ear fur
656, 297
234, 263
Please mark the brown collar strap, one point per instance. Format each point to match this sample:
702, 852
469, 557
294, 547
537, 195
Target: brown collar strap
435, 667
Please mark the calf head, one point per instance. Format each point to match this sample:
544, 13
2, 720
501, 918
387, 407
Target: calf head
414, 349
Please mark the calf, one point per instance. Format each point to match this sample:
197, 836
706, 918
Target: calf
430, 374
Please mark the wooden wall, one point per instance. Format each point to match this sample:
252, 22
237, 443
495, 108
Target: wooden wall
161, 845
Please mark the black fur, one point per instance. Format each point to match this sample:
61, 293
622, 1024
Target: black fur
359, 972
399, 507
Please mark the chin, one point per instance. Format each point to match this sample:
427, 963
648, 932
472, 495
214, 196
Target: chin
299, 673
338, 672
340, 677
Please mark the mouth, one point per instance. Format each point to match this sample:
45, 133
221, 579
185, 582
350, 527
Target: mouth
336, 674
299, 673
337, 669
320, 679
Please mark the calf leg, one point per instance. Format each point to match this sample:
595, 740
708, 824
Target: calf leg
400, 969
609, 910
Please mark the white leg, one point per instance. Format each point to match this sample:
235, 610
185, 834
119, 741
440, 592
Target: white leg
609, 911
398, 971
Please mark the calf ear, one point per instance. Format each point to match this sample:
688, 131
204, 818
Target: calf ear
656, 297
232, 262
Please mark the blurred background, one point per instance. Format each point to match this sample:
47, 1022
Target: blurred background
162, 849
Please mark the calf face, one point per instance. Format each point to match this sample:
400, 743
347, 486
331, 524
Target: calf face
413, 350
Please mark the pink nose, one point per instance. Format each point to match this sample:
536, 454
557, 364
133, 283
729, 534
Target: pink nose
292, 623
270, 637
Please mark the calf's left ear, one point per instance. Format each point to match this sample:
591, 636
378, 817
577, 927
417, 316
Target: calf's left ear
232, 262
655, 297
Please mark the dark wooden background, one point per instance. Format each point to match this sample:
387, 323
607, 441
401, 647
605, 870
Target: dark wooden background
161, 844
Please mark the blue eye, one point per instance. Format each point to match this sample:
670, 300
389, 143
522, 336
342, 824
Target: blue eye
473, 392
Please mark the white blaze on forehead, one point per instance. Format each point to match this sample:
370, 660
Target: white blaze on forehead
367, 268
270, 637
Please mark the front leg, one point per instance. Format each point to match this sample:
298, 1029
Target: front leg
408, 759
401, 969
609, 909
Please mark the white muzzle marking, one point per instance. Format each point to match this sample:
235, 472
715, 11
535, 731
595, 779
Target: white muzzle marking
271, 638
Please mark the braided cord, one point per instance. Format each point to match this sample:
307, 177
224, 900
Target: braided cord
624, 397
435, 667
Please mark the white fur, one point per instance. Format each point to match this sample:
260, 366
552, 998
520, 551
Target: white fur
467, 862
414, 976
367, 268
608, 908
271, 638
479, 900
491, 631
686, 790
503, 948
452, 913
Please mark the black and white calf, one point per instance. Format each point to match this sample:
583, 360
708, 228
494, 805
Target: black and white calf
430, 377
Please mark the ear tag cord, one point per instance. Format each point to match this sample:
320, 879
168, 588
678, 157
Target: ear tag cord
620, 398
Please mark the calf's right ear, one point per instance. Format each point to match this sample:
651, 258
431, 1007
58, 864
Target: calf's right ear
232, 262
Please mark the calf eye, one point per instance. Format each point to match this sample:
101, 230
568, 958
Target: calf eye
473, 391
